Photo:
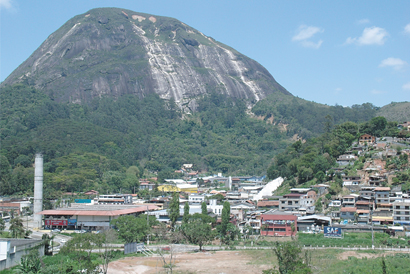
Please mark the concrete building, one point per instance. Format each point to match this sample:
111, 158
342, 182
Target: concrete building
348, 213
349, 201
196, 199
299, 198
381, 195
367, 192
305, 223
114, 199
401, 212
367, 139
12, 250
90, 217
277, 223
344, 160
351, 180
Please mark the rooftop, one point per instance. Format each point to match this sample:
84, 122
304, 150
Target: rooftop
99, 210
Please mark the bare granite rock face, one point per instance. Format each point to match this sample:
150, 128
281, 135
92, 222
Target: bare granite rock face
112, 52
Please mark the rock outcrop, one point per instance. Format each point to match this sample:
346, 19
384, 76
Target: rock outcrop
112, 52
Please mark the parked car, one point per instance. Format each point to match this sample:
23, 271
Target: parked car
56, 230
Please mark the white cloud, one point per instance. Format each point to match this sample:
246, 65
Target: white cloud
304, 33
370, 36
6, 4
395, 63
407, 29
363, 21
406, 86
310, 44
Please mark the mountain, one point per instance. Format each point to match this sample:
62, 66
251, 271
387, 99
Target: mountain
396, 111
112, 52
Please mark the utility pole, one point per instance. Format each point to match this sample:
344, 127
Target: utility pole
148, 225
371, 216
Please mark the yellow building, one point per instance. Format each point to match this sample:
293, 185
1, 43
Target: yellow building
179, 188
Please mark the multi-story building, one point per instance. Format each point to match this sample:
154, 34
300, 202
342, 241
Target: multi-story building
367, 192
376, 180
277, 223
290, 202
298, 198
347, 213
349, 201
347, 159
351, 180
401, 212
364, 205
367, 139
381, 195
195, 199
117, 199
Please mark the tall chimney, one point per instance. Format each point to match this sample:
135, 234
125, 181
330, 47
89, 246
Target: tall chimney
38, 189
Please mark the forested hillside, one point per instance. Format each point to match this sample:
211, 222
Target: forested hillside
396, 111
109, 144
92, 146
309, 119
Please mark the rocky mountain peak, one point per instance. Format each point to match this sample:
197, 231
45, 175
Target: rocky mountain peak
112, 52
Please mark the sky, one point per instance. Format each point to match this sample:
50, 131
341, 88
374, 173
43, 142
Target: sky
330, 52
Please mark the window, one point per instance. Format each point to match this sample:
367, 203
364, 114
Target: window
280, 229
289, 202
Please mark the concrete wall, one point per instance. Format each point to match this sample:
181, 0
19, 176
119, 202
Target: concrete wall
14, 258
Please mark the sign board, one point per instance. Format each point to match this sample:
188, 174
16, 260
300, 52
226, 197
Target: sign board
56, 222
333, 232
72, 221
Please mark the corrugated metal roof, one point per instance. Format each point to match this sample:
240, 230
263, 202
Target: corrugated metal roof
85, 212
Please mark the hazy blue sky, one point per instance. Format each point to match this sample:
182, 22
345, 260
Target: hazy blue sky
331, 52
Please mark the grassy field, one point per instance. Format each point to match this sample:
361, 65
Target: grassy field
352, 239
337, 261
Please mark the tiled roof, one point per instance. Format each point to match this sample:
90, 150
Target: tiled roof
348, 209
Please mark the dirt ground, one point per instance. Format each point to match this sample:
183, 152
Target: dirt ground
347, 254
206, 262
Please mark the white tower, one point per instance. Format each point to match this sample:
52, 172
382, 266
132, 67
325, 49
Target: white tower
38, 189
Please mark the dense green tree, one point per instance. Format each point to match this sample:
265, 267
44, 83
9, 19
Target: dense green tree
80, 249
219, 197
225, 218
173, 210
17, 228
204, 209
2, 224
290, 259
133, 229
186, 216
198, 231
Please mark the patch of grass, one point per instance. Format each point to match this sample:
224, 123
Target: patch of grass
349, 239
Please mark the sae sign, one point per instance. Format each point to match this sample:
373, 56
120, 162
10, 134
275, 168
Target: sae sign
333, 232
